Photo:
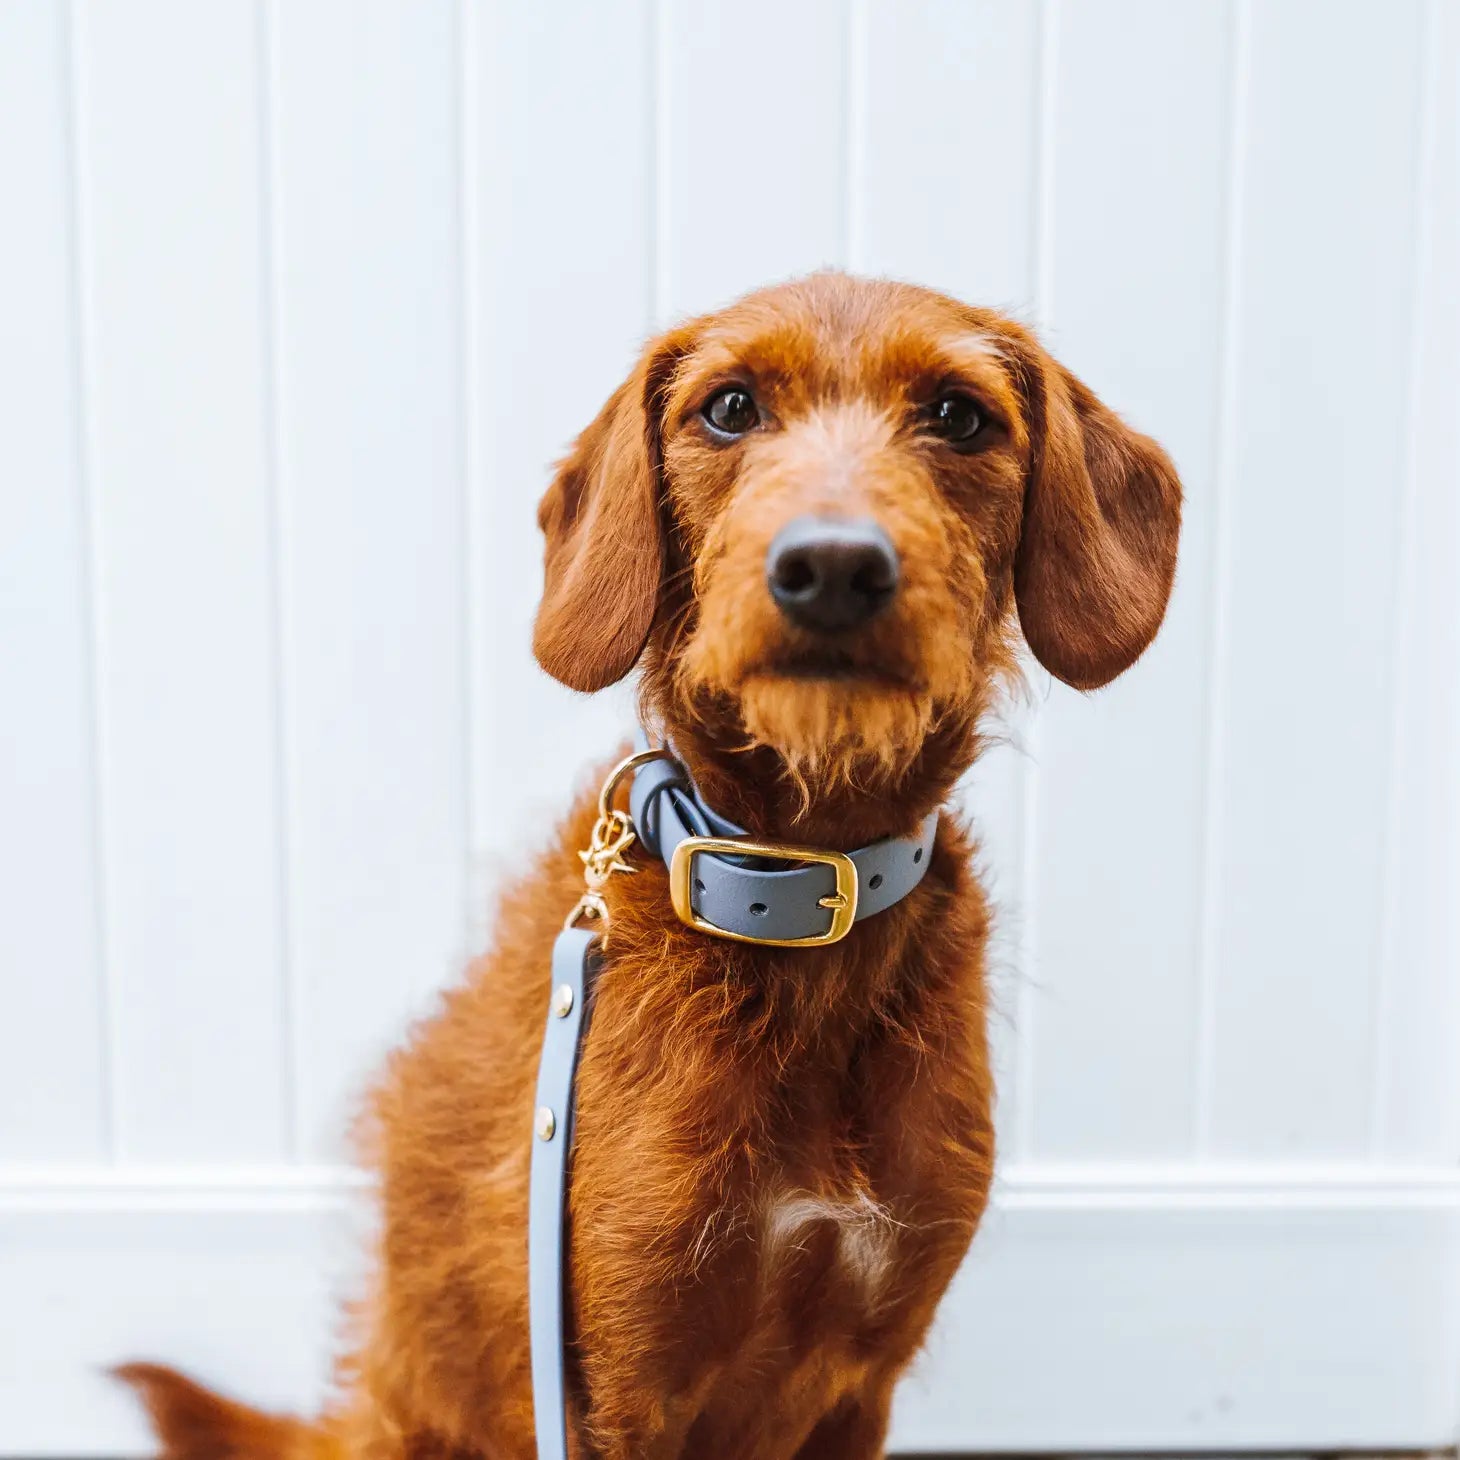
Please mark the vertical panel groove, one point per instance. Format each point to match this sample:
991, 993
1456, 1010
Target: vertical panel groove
653, 87
291, 1033
1042, 280
83, 354
660, 120
1401, 668
1044, 198
1219, 643
469, 371
854, 158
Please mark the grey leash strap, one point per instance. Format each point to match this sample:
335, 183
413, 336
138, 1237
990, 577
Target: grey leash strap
575, 957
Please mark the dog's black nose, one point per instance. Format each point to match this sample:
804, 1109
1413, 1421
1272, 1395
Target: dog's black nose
828, 573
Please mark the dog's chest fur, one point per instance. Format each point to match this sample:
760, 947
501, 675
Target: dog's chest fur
778, 1166
850, 1237
805, 1245
807, 1227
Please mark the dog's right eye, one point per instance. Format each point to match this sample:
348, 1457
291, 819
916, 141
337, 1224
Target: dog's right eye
956, 418
732, 412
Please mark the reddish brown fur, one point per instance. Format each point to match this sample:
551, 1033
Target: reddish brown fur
743, 1110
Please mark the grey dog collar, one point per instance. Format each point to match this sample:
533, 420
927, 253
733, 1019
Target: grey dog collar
757, 898
729, 892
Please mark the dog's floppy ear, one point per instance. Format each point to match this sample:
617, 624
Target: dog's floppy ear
604, 554
1102, 514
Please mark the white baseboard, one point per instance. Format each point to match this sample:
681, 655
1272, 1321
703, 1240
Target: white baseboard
1104, 1307
1213, 1311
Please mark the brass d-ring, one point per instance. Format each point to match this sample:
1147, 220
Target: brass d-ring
627, 764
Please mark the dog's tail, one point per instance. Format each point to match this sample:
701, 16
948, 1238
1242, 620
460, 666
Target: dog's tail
193, 1423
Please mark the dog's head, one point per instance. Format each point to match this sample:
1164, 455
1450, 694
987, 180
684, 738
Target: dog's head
815, 512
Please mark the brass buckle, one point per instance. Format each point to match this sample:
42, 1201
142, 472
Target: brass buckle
842, 904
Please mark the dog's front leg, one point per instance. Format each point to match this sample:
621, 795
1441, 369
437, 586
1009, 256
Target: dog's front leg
855, 1430
641, 1428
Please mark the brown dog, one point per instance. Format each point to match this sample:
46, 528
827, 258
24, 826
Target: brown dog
781, 1153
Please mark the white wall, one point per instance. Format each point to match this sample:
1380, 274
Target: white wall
301, 297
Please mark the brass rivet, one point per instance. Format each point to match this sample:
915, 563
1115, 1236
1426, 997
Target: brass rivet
563, 1000
547, 1123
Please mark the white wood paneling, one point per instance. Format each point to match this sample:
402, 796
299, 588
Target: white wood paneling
755, 185
1137, 156
931, 201
560, 249
169, 142
372, 527
1324, 323
302, 299
1103, 1310
53, 1099
945, 193
125, 1272
1197, 1318
1416, 1112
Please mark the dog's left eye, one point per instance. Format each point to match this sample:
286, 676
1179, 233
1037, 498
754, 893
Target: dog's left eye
732, 412
956, 418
